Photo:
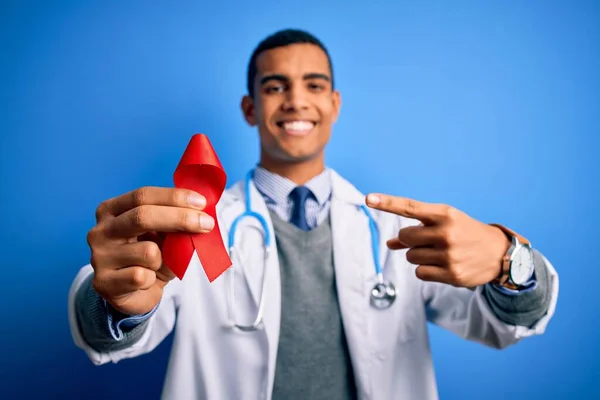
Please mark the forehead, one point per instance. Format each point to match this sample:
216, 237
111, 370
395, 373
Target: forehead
293, 60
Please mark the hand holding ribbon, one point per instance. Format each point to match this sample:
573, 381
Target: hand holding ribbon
201, 171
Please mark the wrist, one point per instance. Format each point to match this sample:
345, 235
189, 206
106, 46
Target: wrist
504, 242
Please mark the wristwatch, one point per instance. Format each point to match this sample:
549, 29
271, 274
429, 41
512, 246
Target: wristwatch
517, 263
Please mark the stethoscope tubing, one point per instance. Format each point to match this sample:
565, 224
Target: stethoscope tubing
382, 295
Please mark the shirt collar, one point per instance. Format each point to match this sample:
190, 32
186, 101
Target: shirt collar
277, 188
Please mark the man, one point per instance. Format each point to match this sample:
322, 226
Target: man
322, 334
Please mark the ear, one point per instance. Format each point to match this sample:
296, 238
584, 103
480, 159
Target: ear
336, 99
248, 110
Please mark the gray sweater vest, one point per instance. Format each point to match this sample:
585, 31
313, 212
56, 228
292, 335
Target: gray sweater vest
312, 360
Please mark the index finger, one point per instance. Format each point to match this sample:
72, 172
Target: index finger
151, 195
425, 212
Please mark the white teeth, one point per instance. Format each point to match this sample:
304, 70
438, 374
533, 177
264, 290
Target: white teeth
298, 127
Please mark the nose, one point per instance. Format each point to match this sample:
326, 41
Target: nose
295, 100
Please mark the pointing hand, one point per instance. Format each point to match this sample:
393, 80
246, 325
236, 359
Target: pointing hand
448, 246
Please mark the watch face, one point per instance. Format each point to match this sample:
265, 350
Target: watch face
522, 266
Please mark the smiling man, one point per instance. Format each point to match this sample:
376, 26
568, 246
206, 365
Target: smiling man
342, 305
292, 101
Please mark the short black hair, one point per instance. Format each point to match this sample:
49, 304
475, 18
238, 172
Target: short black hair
282, 38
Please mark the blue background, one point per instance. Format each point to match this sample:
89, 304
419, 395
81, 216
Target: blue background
493, 107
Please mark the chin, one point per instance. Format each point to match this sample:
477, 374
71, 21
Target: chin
300, 157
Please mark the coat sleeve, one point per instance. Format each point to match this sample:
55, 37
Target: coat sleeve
469, 314
158, 327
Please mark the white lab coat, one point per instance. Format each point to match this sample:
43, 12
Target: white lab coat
389, 348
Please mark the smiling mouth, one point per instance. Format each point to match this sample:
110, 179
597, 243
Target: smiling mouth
297, 128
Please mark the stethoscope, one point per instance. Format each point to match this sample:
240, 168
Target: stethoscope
382, 295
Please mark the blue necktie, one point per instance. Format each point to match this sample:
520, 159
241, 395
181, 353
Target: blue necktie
298, 197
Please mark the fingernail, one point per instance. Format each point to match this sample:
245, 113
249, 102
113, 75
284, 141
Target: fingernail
197, 201
207, 222
373, 199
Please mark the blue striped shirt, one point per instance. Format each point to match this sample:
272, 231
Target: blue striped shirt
276, 189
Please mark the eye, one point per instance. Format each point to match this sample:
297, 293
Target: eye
316, 87
272, 89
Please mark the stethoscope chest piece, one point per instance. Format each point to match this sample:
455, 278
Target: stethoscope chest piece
383, 295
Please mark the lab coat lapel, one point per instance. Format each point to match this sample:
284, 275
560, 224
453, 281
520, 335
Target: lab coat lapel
253, 274
353, 264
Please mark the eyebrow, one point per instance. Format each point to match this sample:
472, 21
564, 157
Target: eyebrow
283, 78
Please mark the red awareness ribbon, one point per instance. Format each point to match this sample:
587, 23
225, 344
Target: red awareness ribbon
201, 171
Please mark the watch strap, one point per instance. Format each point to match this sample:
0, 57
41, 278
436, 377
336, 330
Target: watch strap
510, 232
